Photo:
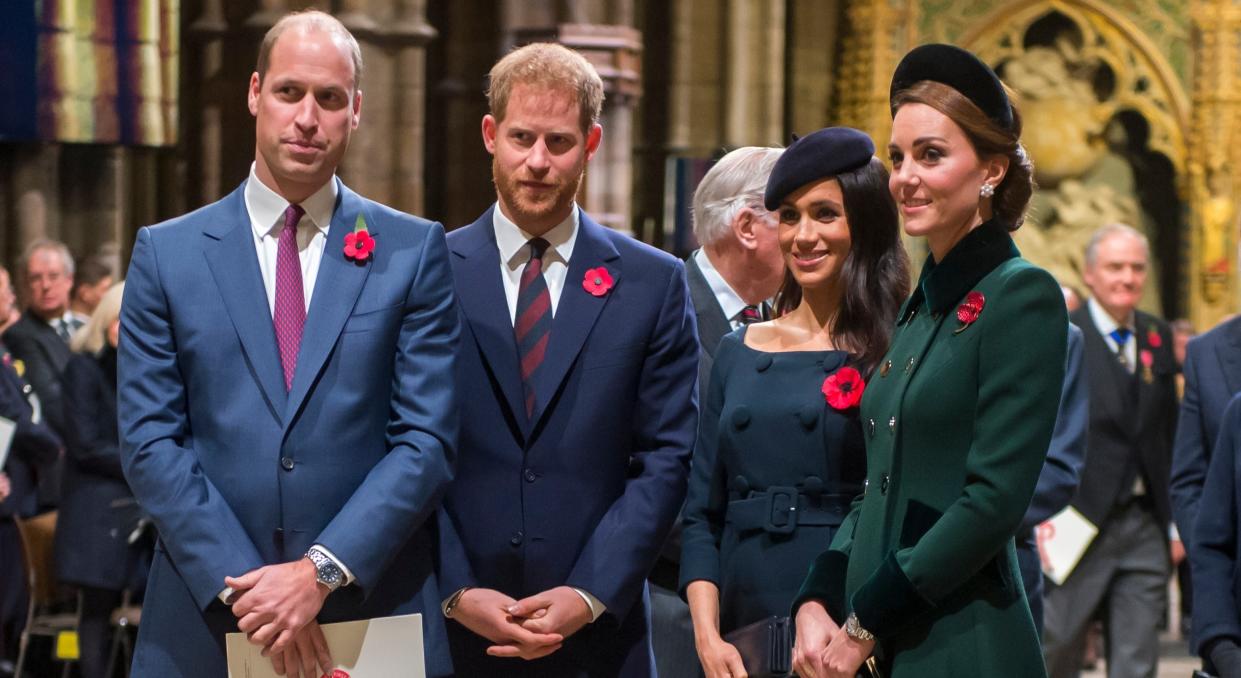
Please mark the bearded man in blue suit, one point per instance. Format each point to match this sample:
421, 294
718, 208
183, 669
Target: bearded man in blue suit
287, 410
578, 372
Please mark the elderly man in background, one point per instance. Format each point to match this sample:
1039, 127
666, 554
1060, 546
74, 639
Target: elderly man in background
731, 278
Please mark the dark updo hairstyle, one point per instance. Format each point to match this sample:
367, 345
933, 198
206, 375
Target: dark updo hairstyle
1012, 196
875, 273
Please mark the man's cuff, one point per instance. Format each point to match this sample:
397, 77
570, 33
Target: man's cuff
596, 608
1173, 533
343, 569
225, 595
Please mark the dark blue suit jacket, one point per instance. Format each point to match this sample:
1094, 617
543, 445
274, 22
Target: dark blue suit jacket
1216, 543
583, 493
1066, 455
1212, 375
34, 444
236, 472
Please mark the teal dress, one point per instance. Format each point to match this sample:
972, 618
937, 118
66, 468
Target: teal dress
768, 443
957, 418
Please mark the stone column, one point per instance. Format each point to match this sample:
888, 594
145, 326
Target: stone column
206, 35
1214, 156
754, 84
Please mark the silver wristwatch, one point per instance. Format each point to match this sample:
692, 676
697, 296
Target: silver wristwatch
327, 572
853, 628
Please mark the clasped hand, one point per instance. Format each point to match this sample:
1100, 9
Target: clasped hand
823, 649
275, 607
529, 628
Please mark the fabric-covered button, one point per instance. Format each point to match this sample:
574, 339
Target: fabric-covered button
762, 362
287, 463
740, 485
809, 415
832, 361
741, 417
812, 485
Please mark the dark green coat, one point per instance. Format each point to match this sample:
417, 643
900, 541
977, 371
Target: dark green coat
957, 421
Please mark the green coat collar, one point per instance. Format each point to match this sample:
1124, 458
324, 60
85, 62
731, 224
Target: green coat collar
979, 252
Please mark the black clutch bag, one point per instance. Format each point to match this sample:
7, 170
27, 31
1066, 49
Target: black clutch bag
766, 647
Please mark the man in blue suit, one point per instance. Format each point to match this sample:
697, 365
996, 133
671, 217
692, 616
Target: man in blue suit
578, 370
1212, 376
287, 409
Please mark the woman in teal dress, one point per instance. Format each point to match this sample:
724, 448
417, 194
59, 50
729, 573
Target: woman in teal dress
780, 452
922, 575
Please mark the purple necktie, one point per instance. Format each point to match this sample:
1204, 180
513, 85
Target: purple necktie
290, 314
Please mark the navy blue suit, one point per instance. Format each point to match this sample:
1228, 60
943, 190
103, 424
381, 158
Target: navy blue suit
583, 492
1066, 455
1216, 539
236, 472
1212, 376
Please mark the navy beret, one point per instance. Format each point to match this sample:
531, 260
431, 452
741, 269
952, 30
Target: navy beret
825, 153
960, 70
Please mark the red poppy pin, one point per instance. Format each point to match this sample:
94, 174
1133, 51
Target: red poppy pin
969, 310
843, 388
1153, 338
597, 281
360, 243
337, 673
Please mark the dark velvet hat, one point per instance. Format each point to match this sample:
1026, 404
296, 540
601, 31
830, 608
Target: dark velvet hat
820, 154
960, 70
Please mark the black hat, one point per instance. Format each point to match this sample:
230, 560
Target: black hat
820, 154
960, 70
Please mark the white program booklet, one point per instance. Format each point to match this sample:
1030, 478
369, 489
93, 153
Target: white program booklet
384, 647
1062, 541
8, 427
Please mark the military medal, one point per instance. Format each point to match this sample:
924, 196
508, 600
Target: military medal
1148, 359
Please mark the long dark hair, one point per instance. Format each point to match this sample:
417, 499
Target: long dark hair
876, 271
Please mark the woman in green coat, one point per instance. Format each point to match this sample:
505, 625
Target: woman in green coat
922, 575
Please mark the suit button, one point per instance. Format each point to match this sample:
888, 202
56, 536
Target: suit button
892, 425
286, 463
530, 476
883, 484
517, 537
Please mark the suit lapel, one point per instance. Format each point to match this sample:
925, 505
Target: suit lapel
577, 310
1229, 352
231, 256
337, 287
712, 324
481, 295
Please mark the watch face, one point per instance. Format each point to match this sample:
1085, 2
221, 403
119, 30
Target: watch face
330, 574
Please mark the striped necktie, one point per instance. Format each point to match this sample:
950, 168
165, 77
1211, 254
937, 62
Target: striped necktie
750, 314
533, 322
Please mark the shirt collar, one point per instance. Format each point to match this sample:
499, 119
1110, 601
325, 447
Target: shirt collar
1104, 322
267, 207
942, 284
730, 302
511, 239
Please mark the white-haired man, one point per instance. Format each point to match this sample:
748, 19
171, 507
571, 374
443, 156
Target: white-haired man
731, 278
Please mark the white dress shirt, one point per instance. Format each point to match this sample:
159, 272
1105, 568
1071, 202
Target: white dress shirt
1106, 325
514, 255
730, 302
266, 209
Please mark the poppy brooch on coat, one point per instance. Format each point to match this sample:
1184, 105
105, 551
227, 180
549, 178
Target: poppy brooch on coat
597, 281
843, 389
969, 310
1153, 338
360, 243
